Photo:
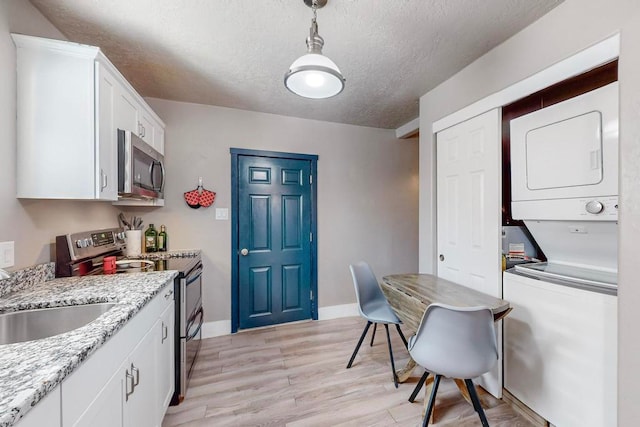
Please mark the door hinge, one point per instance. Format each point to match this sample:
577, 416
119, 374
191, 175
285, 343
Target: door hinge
311, 295
311, 236
310, 179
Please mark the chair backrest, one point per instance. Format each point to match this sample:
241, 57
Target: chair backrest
457, 342
368, 292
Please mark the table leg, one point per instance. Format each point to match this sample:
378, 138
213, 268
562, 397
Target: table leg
405, 373
465, 393
428, 386
463, 389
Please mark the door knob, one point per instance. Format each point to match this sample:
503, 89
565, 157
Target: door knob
441, 257
244, 252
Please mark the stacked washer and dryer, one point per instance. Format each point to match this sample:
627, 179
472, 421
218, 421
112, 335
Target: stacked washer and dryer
561, 337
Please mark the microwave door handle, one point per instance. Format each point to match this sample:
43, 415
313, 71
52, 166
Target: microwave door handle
161, 176
153, 184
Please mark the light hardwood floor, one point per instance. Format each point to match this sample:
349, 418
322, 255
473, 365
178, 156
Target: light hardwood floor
295, 375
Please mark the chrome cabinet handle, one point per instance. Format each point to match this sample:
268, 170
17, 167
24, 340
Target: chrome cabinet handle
244, 252
129, 381
165, 332
136, 371
103, 180
441, 257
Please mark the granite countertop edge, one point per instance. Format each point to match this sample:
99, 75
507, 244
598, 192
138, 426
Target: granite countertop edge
30, 370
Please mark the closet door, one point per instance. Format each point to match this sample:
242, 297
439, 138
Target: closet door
469, 200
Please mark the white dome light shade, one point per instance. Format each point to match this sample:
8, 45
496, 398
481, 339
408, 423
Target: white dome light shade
314, 76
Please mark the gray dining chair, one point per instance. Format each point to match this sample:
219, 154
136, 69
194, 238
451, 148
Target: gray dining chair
455, 342
374, 308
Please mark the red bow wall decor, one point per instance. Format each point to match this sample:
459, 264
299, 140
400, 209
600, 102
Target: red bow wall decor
200, 197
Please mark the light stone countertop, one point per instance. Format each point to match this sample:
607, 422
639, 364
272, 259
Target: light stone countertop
29, 370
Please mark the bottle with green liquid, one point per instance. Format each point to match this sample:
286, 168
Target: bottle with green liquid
162, 239
151, 239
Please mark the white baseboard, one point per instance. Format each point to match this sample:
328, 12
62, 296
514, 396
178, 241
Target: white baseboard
216, 329
337, 311
223, 327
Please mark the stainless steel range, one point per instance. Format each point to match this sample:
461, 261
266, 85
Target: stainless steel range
83, 253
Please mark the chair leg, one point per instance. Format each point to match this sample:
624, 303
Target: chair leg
373, 335
432, 400
404, 340
416, 390
476, 402
353, 356
393, 366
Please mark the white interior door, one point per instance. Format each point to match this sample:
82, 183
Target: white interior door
469, 201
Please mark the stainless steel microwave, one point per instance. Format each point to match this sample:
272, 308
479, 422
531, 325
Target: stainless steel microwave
141, 171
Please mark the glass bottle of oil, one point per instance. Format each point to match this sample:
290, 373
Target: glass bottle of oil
162, 239
151, 239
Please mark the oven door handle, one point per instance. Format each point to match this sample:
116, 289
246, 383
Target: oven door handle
194, 275
200, 315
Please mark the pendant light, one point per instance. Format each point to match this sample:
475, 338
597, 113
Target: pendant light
313, 75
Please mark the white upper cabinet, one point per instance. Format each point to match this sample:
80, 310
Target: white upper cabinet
70, 102
139, 119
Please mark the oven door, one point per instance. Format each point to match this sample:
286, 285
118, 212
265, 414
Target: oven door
190, 324
192, 343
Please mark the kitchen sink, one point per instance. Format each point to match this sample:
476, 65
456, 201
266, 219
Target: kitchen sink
28, 325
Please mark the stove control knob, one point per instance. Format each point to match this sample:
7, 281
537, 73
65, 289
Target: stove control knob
594, 207
87, 243
79, 243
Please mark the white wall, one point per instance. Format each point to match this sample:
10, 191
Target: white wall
367, 193
32, 224
571, 27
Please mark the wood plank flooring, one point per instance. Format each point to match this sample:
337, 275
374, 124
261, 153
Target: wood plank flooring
295, 375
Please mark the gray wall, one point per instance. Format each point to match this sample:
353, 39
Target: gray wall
32, 224
571, 27
367, 193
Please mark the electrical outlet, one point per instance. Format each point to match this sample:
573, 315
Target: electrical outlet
6, 254
222, 213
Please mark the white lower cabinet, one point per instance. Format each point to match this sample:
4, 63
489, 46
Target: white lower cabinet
140, 391
106, 410
124, 382
561, 352
166, 362
46, 413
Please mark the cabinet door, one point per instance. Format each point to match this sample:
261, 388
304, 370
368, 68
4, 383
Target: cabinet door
106, 135
126, 111
158, 136
146, 127
140, 399
106, 410
45, 413
469, 212
561, 351
166, 361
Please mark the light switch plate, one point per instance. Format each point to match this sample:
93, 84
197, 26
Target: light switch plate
6, 254
222, 213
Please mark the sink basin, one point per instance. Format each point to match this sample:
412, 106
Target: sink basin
28, 325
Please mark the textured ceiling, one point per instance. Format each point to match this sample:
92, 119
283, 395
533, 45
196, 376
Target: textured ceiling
234, 53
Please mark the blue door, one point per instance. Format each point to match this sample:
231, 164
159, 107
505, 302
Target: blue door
275, 260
